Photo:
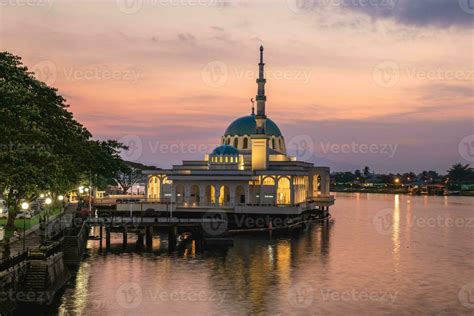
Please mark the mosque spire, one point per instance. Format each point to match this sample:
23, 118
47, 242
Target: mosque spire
261, 98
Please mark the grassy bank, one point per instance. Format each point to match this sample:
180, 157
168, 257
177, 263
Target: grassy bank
30, 222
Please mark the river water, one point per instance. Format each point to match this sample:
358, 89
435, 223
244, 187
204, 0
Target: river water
383, 254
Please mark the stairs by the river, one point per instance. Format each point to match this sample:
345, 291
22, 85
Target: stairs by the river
36, 277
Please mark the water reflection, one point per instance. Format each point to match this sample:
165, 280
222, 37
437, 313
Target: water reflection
425, 266
258, 267
396, 232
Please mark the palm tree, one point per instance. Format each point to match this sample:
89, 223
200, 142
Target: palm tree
459, 173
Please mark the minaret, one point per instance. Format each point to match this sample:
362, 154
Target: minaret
261, 98
260, 140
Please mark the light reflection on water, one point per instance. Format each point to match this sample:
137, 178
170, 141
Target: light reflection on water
346, 267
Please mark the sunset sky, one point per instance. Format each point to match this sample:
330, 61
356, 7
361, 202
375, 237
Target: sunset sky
393, 75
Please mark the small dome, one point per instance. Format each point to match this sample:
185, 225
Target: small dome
225, 150
247, 125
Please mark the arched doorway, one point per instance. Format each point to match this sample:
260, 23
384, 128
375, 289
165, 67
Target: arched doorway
224, 195
195, 194
284, 191
154, 188
179, 193
210, 194
240, 194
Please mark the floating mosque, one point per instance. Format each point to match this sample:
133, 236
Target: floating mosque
248, 174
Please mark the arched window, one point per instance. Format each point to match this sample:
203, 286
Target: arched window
273, 143
228, 141
236, 142
268, 181
284, 191
246, 143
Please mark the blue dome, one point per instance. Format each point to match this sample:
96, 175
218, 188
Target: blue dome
225, 150
247, 125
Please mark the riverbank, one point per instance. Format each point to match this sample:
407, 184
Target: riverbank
392, 191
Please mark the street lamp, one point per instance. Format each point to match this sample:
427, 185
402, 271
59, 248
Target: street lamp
61, 197
24, 207
48, 202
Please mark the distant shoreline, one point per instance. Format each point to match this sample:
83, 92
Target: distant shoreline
388, 191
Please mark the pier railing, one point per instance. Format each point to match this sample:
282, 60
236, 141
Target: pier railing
13, 261
41, 253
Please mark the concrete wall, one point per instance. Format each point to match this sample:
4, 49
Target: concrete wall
10, 281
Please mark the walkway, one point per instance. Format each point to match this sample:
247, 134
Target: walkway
33, 238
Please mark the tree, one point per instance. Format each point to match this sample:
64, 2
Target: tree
357, 174
367, 172
459, 173
42, 147
130, 174
127, 177
343, 177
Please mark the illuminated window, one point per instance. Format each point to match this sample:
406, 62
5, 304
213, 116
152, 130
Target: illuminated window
284, 191
220, 159
268, 181
226, 159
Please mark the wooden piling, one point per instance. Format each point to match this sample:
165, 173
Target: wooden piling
107, 238
125, 237
149, 237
